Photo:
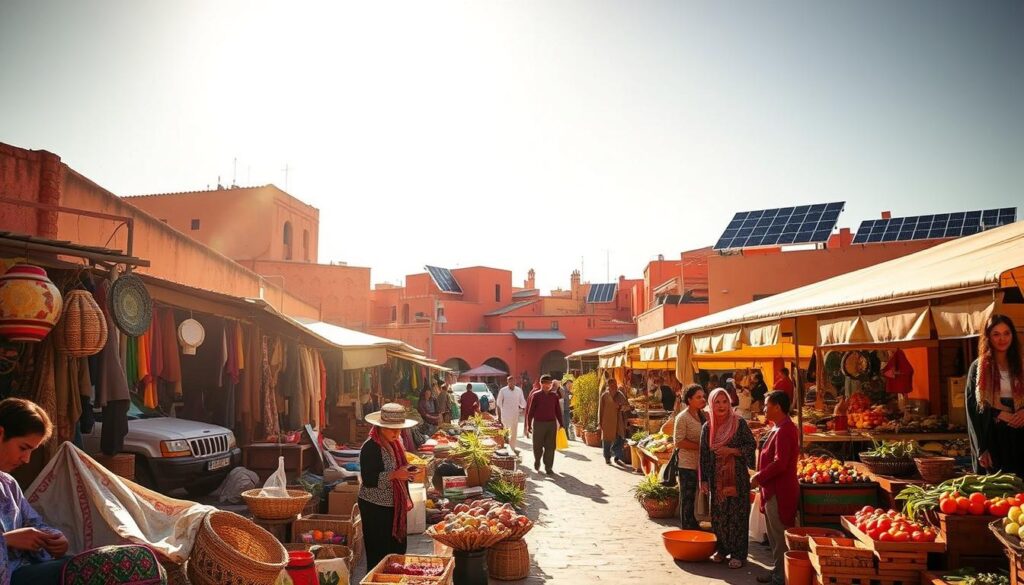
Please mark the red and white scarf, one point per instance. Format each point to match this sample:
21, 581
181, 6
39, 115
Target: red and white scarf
399, 489
987, 386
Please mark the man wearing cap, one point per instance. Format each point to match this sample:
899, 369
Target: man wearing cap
384, 500
544, 417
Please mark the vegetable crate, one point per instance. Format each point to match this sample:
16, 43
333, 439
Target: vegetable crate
831, 555
824, 504
970, 543
350, 526
445, 566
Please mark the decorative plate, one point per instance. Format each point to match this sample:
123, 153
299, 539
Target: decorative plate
191, 335
131, 305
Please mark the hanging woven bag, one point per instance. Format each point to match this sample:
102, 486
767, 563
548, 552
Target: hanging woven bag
82, 329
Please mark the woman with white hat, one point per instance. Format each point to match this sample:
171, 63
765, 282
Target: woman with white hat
384, 500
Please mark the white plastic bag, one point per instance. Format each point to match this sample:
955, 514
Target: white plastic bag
758, 529
276, 485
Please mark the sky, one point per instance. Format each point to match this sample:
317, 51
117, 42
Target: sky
548, 134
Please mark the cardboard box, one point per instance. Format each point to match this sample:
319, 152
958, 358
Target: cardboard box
341, 500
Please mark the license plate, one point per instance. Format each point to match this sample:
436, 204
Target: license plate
220, 463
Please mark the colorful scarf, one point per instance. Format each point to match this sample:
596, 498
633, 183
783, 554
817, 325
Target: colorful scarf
987, 390
721, 430
399, 489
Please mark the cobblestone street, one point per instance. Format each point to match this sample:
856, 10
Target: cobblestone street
589, 529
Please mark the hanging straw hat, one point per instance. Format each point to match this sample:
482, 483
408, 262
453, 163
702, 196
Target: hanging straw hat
391, 416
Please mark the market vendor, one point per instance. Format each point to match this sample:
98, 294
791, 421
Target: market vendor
994, 399
427, 408
31, 553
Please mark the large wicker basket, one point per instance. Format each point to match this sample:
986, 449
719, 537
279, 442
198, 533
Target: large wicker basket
276, 508
516, 478
231, 549
509, 560
122, 464
323, 552
661, 508
82, 329
935, 470
900, 467
504, 462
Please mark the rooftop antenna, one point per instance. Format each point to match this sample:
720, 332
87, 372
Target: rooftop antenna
285, 169
234, 172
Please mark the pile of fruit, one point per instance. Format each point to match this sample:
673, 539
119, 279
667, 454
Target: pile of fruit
470, 527
656, 443
414, 569
990, 489
1013, 521
861, 415
826, 470
322, 537
891, 526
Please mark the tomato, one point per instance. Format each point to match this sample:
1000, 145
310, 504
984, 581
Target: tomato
885, 537
947, 506
864, 510
876, 534
977, 508
1011, 502
978, 498
963, 505
1000, 508
901, 536
863, 527
1019, 497
917, 536
928, 536
884, 524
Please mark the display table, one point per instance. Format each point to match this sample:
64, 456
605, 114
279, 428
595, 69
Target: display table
652, 462
867, 437
261, 458
890, 486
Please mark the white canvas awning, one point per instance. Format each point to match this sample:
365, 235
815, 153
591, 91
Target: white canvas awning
358, 349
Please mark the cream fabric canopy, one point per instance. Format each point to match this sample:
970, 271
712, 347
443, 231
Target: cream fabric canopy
358, 349
976, 264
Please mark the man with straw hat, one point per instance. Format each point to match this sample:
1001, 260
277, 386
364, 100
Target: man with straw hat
384, 500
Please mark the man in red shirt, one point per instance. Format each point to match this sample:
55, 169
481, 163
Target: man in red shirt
544, 416
776, 476
784, 384
469, 404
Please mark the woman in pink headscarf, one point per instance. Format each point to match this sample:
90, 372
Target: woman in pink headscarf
727, 450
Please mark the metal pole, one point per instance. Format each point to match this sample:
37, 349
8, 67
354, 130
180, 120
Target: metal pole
799, 394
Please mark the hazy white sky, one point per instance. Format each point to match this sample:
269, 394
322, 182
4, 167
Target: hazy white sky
523, 134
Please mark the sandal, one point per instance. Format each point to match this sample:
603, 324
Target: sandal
736, 564
717, 558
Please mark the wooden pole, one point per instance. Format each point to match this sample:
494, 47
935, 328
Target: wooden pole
799, 394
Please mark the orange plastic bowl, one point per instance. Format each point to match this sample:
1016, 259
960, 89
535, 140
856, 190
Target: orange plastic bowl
689, 545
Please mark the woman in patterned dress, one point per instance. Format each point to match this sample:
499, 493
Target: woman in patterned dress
31, 553
727, 450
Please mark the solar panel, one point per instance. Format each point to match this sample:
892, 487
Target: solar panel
444, 279
602, 293
926, 227
803, 224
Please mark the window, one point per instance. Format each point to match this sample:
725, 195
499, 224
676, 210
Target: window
497, 293
405, 313
394, 313
520, 325
287, 240
195, 224
554, 325
440, 313
305, 245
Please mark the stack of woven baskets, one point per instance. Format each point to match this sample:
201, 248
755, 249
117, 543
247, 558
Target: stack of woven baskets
231, 549
504, 461
509, 559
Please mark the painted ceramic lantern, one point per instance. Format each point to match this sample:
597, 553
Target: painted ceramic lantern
29, 303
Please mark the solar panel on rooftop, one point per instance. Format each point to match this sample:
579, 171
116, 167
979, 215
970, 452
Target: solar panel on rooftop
602, 292
925, 227
802, 224
444, 279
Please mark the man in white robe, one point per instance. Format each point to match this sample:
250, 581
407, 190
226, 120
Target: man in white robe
511, 403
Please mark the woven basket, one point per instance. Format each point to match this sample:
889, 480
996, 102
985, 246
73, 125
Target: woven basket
82, 329
661, 509
349, 526
231, 549
509, 560
935, 470
175, 572
324, 552
886, 466
131, 305
377, 574
516, 478
122, 464
276, 508
507, 462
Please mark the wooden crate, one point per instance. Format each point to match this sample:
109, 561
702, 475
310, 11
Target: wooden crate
864, 580
850, 524
970, 543
350, 526
901, 562
841, 553
377, 575
826, 503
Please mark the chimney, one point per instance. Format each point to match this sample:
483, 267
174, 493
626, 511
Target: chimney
661, 257
531, 280
574, 284
886, 215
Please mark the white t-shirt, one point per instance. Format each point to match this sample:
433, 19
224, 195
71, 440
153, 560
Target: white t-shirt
1005, 387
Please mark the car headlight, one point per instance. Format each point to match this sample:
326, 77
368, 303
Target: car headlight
177, 448
232, 443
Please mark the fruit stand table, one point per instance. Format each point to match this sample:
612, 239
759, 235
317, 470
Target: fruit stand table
652, 462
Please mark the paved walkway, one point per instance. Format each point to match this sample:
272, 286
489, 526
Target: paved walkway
589, 529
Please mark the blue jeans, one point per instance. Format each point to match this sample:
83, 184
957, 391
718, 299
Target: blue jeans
611, 448
46, 573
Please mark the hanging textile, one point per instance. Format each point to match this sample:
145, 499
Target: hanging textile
322, 422
147, 380
131, 362
71, 379
273, 360
251, 416
44, 385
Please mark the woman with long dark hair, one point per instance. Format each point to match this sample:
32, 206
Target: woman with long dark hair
686, 434
384, 500
994, 398
726, 453
30, 551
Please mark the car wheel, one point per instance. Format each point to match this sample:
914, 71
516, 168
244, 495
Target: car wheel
143, 476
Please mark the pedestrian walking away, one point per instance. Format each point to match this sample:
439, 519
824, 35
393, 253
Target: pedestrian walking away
726, 453
511, 403
469, 404
611, 416
776, 477
544, 417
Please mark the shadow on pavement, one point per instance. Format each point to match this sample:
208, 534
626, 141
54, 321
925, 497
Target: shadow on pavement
571, 485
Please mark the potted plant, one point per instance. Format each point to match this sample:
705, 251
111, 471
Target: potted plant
592, 435
474, 458
658, 500
585, 395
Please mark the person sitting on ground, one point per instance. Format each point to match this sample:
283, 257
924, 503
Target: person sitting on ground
31, 552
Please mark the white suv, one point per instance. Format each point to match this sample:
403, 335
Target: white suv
172, 453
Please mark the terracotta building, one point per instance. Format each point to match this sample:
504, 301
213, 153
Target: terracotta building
469, 317
273, 234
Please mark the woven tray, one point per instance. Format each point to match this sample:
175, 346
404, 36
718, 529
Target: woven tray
276, 508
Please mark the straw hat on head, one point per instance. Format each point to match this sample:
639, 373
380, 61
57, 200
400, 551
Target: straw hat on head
391, 416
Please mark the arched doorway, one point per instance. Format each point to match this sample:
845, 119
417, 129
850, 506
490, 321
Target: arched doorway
553, 364
457, 364
498, 364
